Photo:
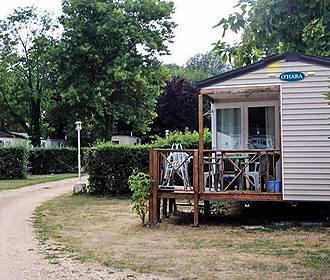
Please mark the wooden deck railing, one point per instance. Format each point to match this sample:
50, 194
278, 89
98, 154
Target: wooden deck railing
240, 170
176, 169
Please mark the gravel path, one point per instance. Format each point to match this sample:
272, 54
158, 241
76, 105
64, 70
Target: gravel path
21, 255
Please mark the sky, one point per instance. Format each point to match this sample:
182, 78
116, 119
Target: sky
195, 18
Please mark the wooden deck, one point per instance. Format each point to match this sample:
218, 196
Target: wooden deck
238, 187
180, 193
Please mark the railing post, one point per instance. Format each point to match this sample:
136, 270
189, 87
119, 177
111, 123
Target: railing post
195, 186
155, 181
201, 142
151, 187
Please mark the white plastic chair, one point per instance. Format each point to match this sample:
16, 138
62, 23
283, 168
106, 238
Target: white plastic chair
212, 173
177, 162
254, 174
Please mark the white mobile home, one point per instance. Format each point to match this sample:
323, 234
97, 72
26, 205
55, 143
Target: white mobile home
270, 137
8, 139
125, 139
278, 103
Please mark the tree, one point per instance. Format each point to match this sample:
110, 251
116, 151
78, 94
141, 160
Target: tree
190, 75
206, 63
177, 107
276, 26
109, 68
25, 44
198, 67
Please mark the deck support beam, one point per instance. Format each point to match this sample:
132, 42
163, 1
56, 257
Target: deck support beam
201, 142
154, 207
196, 192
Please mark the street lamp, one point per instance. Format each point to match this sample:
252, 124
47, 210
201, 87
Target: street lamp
78, 128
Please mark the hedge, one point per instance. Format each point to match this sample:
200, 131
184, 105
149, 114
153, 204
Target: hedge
13, 163
53, 160
109, 167
188, 139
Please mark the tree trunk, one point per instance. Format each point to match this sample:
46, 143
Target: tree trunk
108, 127
35, 123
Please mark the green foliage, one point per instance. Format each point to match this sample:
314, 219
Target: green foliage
13, 163
109, 167
26, 45
198, 67
53, 160
189, 74
207, 63
140, 185
270, 27
109, 63
188, 139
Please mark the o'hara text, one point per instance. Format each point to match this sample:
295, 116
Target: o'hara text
292, 76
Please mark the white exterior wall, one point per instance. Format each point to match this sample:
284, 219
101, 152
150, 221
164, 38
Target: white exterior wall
305, 126
125, 139
13, 141
54, 143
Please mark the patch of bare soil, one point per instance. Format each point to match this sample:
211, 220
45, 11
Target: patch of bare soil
106, 231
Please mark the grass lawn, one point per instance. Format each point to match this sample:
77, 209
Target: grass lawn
107, 231
32, 180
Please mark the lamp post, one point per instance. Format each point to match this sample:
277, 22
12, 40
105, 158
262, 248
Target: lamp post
78, 128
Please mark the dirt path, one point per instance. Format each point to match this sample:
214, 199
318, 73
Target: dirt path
20, 253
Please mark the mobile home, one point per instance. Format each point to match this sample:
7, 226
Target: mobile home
270, 136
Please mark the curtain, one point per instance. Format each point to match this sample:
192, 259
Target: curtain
270, 127
228, 124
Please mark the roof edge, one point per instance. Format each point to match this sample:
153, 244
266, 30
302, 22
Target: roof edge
288, 56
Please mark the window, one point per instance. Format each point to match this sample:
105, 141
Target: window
229, 134
261, 127
248, 125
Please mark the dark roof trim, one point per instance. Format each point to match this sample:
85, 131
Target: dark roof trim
4, 134
289, 56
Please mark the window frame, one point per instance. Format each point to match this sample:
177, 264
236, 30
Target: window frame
244, 106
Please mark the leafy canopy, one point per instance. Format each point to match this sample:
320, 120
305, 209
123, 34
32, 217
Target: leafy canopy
26, 44
110, 68
198, 67
276, 26
207, 63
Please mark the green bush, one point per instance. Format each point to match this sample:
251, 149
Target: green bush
109, 167
53, 160
140, 185
188, 139
13, 163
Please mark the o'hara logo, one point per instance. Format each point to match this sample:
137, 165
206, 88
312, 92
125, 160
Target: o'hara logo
292, 76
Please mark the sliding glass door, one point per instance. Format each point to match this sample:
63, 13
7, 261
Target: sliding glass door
261, 127
253, 125
228, 129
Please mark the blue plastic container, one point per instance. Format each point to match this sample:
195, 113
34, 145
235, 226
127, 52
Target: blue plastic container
277, 186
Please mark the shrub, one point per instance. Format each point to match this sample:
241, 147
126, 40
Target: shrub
13, 163
53, 160
188, 139
109, 167
140, 185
